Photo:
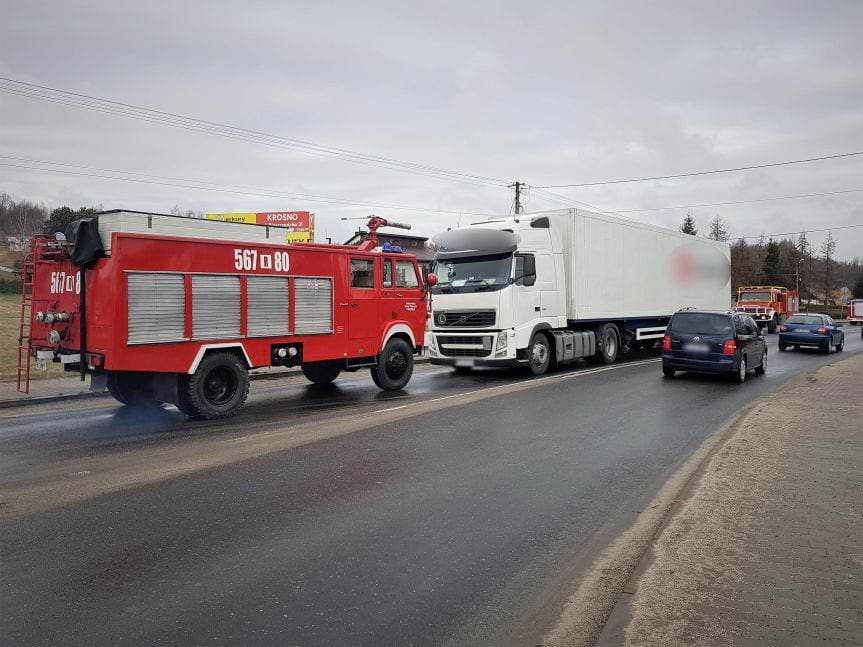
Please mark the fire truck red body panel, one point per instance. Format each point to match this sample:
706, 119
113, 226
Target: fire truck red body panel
360, 318
179, 310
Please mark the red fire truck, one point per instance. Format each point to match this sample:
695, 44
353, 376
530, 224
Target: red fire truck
165, 309
769, 305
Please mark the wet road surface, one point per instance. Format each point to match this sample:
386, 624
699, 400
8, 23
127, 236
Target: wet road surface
463, 518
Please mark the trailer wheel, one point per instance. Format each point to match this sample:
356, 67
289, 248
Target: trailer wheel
539, 354
394, 366
607, 344
772, 325
132, 389
217, 389
321, 372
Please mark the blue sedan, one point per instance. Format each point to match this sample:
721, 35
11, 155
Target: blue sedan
816, 330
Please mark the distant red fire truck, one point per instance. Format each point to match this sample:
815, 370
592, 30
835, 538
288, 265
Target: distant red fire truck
768, 305
166, 309
855, 311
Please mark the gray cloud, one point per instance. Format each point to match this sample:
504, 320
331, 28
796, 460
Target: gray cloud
549, 93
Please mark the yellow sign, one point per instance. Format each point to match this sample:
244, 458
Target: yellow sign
300, 225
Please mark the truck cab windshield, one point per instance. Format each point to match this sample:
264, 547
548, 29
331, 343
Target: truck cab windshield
756, 296
476, 274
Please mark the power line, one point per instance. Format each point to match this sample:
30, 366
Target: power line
175, 120
733, 202
695, 173
203, 185
802, 231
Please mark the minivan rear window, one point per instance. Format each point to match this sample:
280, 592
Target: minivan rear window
700, 323
812, 320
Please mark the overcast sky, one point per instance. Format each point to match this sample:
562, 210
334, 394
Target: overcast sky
543, 92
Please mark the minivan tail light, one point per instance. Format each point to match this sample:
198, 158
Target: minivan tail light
666, 342
822, 330
729, 347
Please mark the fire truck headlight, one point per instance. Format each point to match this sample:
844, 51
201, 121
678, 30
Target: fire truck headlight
292, 351
49, 317
40, 316
54, 337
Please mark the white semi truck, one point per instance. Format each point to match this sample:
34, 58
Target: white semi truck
547, 288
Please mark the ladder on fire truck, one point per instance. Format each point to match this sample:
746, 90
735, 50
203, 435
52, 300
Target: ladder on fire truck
24, 327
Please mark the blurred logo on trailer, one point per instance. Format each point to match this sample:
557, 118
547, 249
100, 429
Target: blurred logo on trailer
695, 266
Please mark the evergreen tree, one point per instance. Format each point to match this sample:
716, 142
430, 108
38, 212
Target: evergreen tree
62, 216
771, 264
688, 225
858, 287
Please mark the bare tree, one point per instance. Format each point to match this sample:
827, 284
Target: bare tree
718, 229
828, 250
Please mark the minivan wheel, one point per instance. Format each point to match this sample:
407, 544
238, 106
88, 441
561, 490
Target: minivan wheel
761, 370
783, 347
740, 377
840, 345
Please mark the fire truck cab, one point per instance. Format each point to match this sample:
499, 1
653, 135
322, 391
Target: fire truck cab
178, 310
768, 305
855, 312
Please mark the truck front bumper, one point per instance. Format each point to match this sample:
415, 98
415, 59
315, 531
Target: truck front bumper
479, 362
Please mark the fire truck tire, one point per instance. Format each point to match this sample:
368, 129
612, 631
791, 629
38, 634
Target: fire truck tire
217, 389
321, 372
132, 389
772, 325
394, 366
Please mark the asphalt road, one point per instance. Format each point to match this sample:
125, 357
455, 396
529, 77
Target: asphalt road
459, 512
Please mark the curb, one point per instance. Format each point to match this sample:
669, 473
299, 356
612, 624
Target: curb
45, 399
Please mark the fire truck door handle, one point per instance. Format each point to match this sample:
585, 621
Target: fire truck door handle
399, 294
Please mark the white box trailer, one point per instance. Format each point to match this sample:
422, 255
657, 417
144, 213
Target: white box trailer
550, 287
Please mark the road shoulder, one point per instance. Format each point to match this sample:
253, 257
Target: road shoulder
767, 547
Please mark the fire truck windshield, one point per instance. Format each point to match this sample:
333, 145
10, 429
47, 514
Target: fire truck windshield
475, 274
756, 296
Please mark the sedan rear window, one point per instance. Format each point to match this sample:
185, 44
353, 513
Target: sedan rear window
700, 323
811, 320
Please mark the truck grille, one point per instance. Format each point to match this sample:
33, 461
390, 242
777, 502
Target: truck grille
464, 319
464, 345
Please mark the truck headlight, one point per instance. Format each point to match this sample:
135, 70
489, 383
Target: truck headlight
501, 340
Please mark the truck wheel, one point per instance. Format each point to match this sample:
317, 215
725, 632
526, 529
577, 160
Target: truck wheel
772, 325
394, 366
132, 389
321, 372
607, 344
217, 389
539, 354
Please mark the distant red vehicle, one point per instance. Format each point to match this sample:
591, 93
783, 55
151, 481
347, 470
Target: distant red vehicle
855, 311
177, 310
768, 305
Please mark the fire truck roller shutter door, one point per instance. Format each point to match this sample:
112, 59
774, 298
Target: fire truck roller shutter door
268, 306
313, 304
157, 307
215, 306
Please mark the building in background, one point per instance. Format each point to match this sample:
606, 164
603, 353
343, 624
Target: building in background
415, 245
299, 225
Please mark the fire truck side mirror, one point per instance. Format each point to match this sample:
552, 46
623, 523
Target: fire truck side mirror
431, 280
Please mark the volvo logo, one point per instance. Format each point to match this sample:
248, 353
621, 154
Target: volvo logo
696, 339
441, 319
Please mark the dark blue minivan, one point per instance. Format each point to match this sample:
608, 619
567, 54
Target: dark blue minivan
713, 342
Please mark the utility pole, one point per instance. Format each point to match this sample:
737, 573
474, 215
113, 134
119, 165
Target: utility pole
797, 281
518, 186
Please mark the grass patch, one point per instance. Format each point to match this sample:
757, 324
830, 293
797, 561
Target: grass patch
9, 316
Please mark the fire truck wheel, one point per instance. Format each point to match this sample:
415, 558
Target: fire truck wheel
217, 389
394, 366
772, 325
321, 372
131, 389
